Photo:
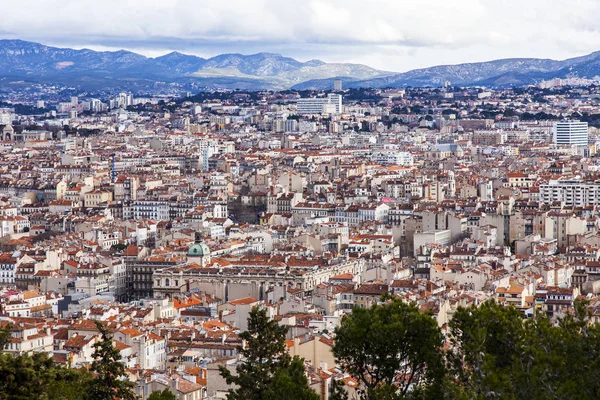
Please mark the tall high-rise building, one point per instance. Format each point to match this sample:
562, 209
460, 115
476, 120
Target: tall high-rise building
571, 132
332, 104
337, 85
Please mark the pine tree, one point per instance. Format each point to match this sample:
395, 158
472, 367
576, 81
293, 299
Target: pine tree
109, 382
291, 383
268, 371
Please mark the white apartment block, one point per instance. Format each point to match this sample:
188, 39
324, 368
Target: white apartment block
153, 210
571, 192
29, 340
393, 157
332, 104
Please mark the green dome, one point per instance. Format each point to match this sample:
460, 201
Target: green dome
198, 249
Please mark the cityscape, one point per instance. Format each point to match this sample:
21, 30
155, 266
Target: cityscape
229, 226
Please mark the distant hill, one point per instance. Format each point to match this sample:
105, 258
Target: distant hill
88, 68
502, 73
21, 59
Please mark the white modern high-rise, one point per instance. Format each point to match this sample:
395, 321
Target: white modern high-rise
571, 132
332, 104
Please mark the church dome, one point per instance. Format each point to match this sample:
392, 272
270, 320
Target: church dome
198, 249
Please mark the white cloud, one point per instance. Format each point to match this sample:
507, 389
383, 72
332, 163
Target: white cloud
387, 34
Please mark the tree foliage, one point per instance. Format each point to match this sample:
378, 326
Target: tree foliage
119, 247
493, 353
484, 339
110, 380
291, 383
165, 394
5, 333
337, 390
268, 371
498, 355
25, 377
391, 348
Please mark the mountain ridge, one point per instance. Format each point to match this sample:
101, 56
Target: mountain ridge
41, 63
529, 70
19, 58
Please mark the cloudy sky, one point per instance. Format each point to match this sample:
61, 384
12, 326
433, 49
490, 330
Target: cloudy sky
395, 35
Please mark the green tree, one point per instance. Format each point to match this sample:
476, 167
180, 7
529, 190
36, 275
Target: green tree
392, 349
69, 383
337, 390
25, 377
291, 383
267, 367
562, 359
496, 354
5, 333
484, 342
110, 380
166, 394
119, 247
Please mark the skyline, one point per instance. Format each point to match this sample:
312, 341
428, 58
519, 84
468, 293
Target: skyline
385, 35
401, 200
